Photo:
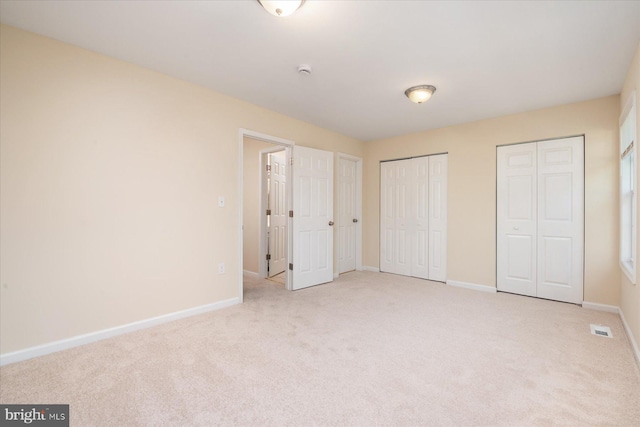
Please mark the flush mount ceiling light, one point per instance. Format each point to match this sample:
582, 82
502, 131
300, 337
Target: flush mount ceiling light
281, 7
420, 94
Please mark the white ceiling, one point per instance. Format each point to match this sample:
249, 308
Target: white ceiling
487, 59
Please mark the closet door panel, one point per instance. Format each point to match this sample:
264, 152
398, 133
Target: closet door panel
517, 219
438, 217
387, 218
420, 218
395, 217
561, 219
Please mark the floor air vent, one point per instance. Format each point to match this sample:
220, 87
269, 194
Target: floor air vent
603, 331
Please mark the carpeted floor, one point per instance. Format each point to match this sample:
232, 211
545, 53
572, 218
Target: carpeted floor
280, 278
367, 349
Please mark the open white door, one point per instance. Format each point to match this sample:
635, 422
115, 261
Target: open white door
278, 214
312, 217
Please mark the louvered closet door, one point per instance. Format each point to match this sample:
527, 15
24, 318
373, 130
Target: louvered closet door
413, 217
540, 219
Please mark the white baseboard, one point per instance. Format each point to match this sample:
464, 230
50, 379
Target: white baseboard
251, 274
369, 268
472, 286
600, 307
44, 349
634, 344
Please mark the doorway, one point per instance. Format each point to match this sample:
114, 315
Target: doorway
254, 147
308, 195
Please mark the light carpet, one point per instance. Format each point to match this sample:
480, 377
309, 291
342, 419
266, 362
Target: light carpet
368, 349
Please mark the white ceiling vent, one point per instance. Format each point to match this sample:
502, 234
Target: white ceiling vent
603, 331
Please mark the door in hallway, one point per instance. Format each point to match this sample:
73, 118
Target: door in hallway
347, 215
277, 220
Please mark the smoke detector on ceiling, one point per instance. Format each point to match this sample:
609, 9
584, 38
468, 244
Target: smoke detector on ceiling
304, 69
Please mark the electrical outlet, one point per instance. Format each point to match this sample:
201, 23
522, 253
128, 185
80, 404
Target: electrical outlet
221, 268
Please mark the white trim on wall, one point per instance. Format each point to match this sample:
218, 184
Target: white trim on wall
472, 286
42, 350
370, 268
251, 274
600, 307
632, 341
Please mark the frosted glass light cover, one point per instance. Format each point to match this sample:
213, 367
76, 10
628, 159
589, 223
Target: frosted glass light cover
420, 94
281, 7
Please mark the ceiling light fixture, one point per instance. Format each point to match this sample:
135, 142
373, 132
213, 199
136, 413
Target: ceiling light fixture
281, 7
420, 94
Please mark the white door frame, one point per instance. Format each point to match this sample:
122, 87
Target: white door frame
288, 144
264, 197
358, 161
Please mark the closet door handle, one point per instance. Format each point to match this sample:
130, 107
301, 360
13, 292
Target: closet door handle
330, 223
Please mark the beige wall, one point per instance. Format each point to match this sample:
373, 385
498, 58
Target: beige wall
472, 188
110, 175
629, 293
251, 203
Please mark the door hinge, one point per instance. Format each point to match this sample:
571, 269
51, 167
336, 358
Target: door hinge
268, 211
268, 257
291, 266
290, 214
268, 168
290, 160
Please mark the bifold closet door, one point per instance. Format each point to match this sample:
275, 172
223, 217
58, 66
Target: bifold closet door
561, 219
413, 199
540, 219
517, 218
438, 217
395, 217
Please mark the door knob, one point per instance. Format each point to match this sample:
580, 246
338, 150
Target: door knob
330, 222
355, 220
